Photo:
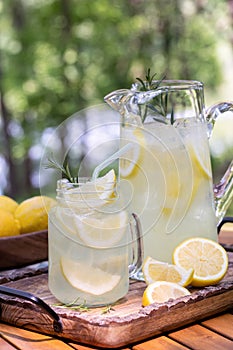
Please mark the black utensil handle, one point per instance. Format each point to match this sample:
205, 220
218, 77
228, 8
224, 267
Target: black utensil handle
57, 324
224, 221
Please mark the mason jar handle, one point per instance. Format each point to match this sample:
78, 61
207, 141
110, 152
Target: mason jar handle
137, 248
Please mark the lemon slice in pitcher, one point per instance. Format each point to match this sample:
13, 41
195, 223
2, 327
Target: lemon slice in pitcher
88, 279
200, 160
99, 232
130, 162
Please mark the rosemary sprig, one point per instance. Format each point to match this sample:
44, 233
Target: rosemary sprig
83, 308
149, 83
108, 308
64, 168
73, 306
159, 103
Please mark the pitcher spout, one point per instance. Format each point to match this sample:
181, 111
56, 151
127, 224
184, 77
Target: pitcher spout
118, 100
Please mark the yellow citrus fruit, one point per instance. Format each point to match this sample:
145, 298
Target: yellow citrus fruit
95, 192
208, 259
88, 278
162, 291
32, 213
200, 160
99, 232
9, 226
8, 204
154, 270
130, 160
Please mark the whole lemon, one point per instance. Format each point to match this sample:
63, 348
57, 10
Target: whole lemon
32, 213
9, 226
8, 204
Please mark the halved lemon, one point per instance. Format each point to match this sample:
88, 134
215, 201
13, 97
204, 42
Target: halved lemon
129, 162
102, 232
162, 291
154, 270
208, 259
88, 278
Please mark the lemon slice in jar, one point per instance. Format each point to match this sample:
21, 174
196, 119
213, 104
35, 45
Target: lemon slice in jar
93, 193
104, 231
87, 278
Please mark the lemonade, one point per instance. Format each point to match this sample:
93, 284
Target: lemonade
169, 170
89, 244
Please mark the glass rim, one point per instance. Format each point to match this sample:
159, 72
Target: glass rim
64, 185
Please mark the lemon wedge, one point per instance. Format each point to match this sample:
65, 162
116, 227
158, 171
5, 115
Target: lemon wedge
132, 158
88, 278
208, 259
154, 270
162, 291
92, 193
97, 232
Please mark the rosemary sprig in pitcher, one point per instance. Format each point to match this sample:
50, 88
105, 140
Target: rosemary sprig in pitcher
159, 103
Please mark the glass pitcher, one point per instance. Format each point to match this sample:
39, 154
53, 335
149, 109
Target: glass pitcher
167, 164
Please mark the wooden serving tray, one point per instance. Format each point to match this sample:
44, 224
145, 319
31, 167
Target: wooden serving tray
124, 323
24, 249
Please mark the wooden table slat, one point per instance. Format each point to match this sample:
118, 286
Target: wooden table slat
160, 343
27, 340
222, 324
4, 345
83, 347
200, 338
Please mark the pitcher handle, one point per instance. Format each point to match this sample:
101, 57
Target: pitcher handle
223, 191
213, 112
